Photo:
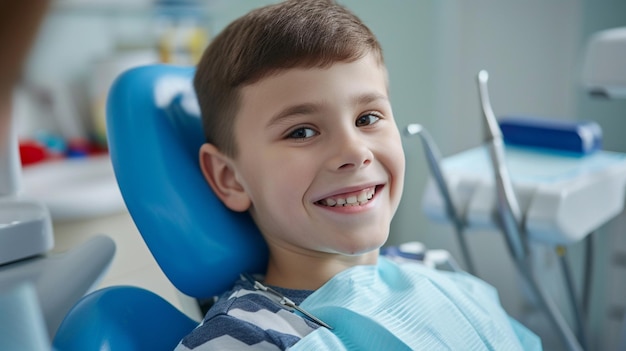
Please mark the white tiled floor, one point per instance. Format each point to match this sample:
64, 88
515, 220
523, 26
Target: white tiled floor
132, 265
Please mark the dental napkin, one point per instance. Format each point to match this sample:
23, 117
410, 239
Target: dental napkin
408, 306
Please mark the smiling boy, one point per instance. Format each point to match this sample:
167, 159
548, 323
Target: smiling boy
311, 129
301, 134
319, 166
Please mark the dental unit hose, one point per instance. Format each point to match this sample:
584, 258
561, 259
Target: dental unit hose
510, 218
575, 306
508, 208
434, 162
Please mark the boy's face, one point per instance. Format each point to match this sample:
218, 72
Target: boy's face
312, 139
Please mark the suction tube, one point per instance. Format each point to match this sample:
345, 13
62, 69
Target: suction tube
434, 162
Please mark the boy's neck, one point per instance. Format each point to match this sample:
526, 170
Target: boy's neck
291, 270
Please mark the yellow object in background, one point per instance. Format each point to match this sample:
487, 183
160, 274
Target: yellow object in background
182, 42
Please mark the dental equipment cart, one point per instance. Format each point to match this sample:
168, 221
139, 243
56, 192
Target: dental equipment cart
563, 198
551, 184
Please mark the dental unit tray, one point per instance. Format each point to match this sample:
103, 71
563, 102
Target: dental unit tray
563, 197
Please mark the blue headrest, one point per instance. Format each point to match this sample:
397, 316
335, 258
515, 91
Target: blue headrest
154, 135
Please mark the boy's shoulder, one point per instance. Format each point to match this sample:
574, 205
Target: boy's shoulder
247, 318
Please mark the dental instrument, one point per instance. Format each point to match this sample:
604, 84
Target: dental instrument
508, 208
434, 162
510, 218
284, 300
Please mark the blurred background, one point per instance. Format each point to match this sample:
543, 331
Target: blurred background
532, 49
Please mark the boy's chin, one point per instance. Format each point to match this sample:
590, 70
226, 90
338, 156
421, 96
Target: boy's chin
364, 250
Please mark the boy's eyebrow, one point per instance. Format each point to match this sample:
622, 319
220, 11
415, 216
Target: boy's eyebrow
299, 109
311, 108
368, 98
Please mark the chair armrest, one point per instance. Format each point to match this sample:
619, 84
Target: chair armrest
122, 318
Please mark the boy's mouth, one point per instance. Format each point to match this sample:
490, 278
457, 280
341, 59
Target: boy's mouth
357, 198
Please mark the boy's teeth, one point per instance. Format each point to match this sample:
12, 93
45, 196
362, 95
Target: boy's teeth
361, 199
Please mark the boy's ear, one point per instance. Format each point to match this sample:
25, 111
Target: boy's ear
220, 174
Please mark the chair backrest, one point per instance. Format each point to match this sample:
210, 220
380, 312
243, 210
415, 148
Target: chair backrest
154, 133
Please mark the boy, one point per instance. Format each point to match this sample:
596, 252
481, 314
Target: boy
300, 133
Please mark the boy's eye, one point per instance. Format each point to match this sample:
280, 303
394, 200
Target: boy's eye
366, 120
302, 133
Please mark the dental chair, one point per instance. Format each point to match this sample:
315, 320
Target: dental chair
154, 134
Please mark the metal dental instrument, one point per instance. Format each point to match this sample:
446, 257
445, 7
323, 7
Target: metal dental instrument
434, 161
510, 218
285, 300
508, 209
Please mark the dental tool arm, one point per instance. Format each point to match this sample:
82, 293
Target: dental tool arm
511, 219
508, 208
434, 162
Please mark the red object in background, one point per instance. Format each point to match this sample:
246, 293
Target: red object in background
32, 152
96, 149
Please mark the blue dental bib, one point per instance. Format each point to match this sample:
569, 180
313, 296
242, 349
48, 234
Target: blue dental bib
409, 307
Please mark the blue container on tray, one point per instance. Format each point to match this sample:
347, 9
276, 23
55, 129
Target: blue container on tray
577, 137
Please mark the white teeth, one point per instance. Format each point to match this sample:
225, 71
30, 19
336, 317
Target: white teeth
355, 200
362, 197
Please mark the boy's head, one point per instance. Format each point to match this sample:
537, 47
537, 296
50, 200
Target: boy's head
304, 135
294, 33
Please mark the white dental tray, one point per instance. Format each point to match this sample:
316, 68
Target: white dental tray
563, 197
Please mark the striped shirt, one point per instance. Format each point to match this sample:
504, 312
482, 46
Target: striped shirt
248, 319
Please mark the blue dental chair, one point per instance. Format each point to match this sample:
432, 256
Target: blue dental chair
154, 134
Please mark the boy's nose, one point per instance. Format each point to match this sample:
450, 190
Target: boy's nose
351, 152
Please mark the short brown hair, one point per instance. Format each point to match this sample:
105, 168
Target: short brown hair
294, 33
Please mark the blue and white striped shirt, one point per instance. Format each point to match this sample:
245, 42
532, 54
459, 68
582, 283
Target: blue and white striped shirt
249, 319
